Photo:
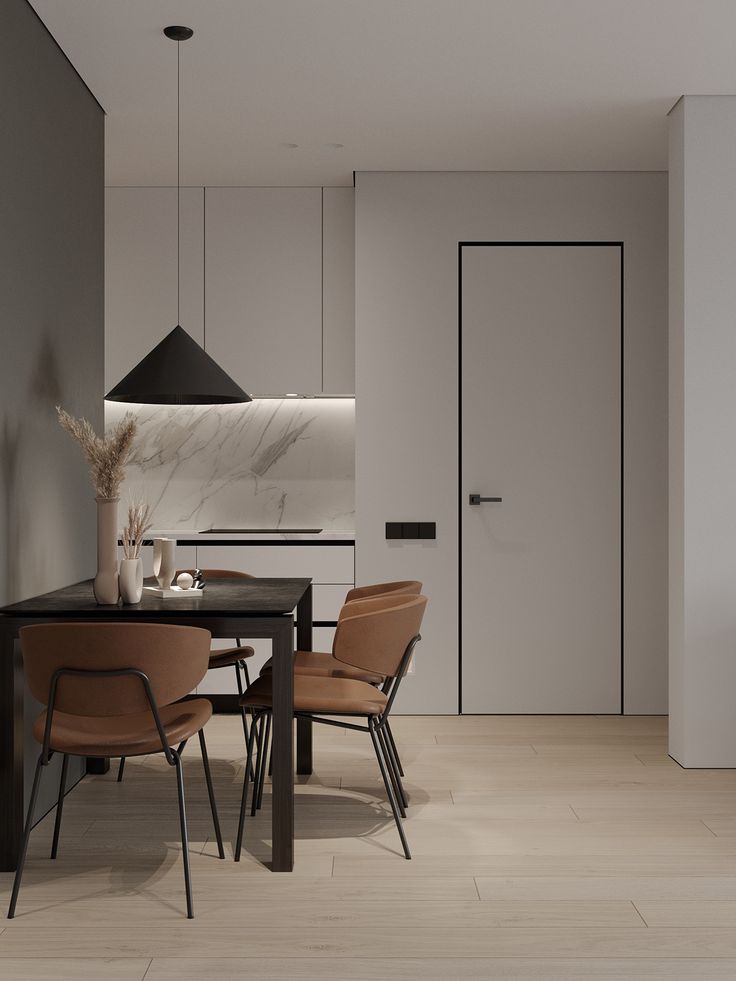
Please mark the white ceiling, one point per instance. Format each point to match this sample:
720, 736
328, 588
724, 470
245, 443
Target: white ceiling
403, 84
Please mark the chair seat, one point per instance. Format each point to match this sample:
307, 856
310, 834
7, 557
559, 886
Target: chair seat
225, 658
328, 696
322, 665
123, 735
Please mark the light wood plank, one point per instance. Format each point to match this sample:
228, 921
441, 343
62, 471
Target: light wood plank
74, 968
593, 888
438, 969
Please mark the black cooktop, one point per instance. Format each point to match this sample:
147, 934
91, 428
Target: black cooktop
261, 531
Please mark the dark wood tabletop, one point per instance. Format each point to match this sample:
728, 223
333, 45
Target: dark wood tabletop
249, 597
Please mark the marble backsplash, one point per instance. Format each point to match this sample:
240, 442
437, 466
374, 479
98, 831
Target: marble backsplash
270, 463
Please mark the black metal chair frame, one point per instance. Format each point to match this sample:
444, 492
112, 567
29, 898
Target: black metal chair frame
173, 757
239, 666
383, 745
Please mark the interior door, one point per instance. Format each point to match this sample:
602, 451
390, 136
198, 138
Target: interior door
541, 429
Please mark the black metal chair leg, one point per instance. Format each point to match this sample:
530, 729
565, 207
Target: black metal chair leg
266, 753
26, 836
260, 762
244, 798
391, 771
211, 793
396, 767
120, 769
395, 751
60, 805
243, 713
389, 788
184, 835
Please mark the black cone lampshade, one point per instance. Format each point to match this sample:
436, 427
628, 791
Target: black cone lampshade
178, 372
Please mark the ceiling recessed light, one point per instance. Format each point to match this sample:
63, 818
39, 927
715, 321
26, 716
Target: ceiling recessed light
335, 146
292, 395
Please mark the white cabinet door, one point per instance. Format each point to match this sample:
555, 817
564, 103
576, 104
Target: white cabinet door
141, 274
321, 563
263, 277
541, 428
338, 281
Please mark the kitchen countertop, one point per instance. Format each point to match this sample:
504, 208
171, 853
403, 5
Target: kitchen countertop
186, 536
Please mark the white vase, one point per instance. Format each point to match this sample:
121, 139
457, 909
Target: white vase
106, 581
164, 561
131, 580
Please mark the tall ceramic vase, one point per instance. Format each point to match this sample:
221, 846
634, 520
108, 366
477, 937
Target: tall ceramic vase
106, 581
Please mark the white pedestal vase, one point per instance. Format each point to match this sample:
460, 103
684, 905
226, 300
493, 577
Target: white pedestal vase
131, 580
164, 561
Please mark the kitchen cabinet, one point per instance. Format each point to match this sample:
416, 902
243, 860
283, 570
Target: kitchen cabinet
267, 282
263, 281
141, 273
331, 568
338, 290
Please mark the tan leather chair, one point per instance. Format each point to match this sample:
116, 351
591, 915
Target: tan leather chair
112, 689
229, 657
322, 664
374, 638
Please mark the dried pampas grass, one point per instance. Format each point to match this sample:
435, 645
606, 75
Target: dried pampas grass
139, 515
107, 455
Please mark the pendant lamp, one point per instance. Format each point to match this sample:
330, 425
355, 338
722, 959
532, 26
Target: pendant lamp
178, 371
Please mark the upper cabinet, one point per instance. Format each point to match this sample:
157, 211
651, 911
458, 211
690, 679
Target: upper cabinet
141, 274
263, 299
338, 290
267, 282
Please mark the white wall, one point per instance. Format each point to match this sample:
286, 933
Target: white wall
702, 415
407, 230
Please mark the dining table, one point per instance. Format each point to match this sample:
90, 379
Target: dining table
253, 609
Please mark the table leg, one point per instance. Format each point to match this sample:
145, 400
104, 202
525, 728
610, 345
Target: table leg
282, 783
97, 764
304, 643
11, 750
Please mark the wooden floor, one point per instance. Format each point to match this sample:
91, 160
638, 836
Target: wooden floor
544, 848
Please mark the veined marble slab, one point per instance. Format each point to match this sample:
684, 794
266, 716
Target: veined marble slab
263, 464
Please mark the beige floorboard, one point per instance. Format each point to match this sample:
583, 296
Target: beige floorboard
422, 969
544, 848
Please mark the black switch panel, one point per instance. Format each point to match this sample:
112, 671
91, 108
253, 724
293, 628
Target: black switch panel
411, 529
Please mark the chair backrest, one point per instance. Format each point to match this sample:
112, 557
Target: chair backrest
175, 659
376, 638
218, 573
371, 603
409, 587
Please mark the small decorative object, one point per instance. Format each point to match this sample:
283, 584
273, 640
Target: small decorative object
184, 580
164, 561
107, 457
131, 566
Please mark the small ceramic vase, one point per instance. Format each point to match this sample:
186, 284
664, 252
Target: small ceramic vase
164, 561
131, 580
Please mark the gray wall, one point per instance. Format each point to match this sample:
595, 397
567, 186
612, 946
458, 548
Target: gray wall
407, 229
51, 307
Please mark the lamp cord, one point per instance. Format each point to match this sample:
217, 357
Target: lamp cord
178, 192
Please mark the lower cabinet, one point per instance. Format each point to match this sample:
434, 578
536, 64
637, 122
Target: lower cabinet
330, 567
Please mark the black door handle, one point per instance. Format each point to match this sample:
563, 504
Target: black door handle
477, 499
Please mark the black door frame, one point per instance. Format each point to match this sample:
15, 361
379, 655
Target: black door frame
460, 503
